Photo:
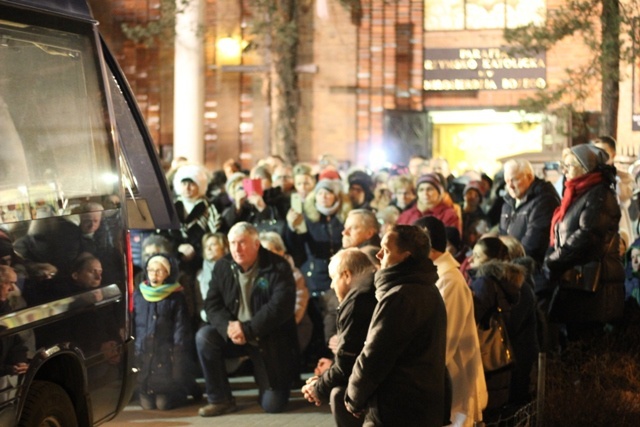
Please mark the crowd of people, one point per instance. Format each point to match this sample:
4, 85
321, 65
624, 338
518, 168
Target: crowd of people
377, 282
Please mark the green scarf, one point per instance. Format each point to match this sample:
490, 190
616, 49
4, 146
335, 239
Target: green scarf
158, 293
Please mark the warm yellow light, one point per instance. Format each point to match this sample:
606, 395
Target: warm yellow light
229, 51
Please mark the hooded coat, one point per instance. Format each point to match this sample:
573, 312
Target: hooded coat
499, 283
400, 374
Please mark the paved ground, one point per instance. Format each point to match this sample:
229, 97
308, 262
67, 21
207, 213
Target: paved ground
299, 413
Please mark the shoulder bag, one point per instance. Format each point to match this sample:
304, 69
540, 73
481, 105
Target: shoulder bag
495, 346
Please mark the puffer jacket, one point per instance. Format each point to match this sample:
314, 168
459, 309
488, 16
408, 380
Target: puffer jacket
531, 220
589, 232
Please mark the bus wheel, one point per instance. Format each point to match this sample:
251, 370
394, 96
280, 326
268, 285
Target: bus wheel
48, 405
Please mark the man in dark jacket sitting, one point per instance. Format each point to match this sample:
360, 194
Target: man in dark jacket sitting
399, 377
250, 308
351, 274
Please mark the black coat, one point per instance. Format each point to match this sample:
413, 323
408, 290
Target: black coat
272, 324
322, 240
400, 374
499, 282
530, 222
589, 232
163, 337
354, 316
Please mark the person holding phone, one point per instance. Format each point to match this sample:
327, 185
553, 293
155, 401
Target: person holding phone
316, 232
247, 202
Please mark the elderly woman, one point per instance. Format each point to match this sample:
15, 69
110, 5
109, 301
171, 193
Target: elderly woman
431, 192
584, 229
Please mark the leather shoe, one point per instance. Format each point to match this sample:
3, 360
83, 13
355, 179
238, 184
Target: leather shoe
215, 409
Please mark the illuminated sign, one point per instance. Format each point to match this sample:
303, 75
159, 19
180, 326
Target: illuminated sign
482, 69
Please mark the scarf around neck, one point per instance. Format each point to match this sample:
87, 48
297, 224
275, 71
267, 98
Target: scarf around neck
158, 293
574, 188
331, 210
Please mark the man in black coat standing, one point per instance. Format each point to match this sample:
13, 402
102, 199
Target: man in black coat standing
526, 215
528, 208
250, 308
399, 377
351, 274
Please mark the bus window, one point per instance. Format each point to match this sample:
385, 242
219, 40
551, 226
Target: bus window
51, 123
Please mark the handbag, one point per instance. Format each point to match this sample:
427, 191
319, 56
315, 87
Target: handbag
495, 346
585, 277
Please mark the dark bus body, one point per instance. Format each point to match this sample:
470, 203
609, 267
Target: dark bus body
77, 171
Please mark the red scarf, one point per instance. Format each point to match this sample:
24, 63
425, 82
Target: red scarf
574, 188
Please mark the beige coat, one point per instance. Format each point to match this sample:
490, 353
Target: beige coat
463, 349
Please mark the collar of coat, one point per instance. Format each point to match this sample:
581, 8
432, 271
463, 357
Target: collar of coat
408, 272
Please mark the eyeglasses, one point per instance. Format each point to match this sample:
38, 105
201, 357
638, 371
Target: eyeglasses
570, 165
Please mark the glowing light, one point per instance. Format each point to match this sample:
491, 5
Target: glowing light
377, 158
229, 51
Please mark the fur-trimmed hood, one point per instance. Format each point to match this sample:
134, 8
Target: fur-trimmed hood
312, 213
511, 276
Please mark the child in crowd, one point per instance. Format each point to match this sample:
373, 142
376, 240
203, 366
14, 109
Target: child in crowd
163, 336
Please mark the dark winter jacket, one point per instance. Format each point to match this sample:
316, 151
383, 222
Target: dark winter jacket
502, 283
589, 232
272, 325
531, 220
354, 316
163, 337
323, 238
400, 374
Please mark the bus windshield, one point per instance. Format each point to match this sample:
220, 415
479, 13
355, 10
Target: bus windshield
52, 123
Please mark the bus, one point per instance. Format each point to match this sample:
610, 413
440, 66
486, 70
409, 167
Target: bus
78, 170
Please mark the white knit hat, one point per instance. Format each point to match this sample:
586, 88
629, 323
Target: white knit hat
196, 173
162, 260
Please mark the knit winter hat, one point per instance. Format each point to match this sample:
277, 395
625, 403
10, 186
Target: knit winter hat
437, 231
590, 156
333, 185
431, 178
328, 174
196, 173
473, 185
363, 180
162, 260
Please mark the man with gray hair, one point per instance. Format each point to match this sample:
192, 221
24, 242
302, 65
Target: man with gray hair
529, 206
351, 274
361, 230
526, 215
250, 309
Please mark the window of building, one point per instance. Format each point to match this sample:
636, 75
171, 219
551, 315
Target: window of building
482, 14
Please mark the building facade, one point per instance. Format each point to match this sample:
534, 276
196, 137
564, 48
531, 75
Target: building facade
380, 82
